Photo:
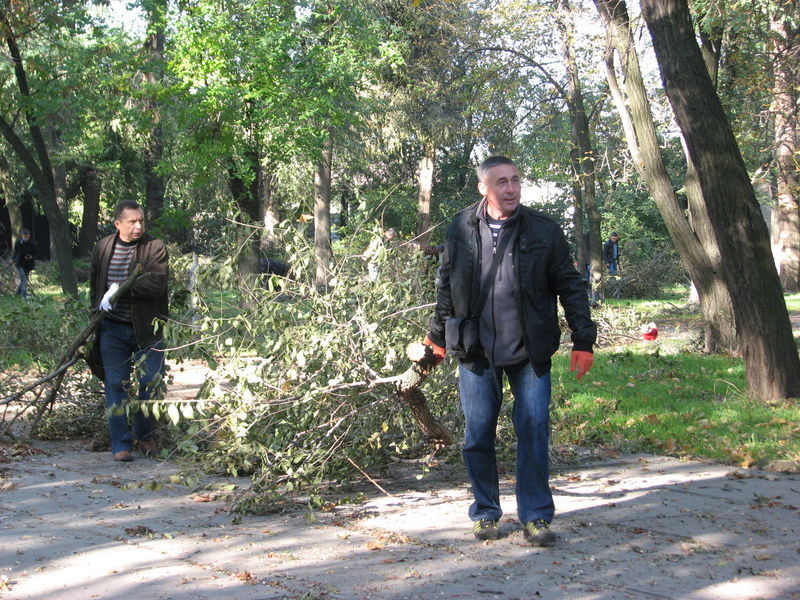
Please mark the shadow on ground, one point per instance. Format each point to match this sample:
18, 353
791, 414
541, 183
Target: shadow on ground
75, 525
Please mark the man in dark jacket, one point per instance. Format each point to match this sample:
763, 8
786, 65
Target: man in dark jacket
611, 253
518, 333
24, 260
127, 333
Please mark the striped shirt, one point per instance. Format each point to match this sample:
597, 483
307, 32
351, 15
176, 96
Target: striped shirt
118, 270
494, 226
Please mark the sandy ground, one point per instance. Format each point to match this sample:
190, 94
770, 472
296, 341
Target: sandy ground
75, 525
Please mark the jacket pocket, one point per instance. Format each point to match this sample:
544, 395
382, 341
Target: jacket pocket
532, 265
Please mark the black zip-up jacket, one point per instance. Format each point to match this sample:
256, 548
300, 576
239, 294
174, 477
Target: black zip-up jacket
608, 250
149, 299
544, 273
25, 254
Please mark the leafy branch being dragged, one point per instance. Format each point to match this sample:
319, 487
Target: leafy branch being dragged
51, 383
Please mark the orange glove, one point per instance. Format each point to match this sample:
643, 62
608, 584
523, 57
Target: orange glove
583, 361
438, 352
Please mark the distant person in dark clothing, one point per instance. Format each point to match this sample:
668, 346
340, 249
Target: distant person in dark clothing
24, 260
611, 253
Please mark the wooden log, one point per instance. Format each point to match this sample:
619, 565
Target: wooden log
406, 387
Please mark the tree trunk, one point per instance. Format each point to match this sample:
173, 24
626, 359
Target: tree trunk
154, 146
344, 204
765, 333
90, 185
245, 182
268, 211
582, 155
425, 180
711, 47
643, 143
322, 215
720, 332
786, 216
38, 164
9, 191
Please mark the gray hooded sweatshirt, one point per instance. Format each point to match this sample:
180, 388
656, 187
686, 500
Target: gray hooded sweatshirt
501, 326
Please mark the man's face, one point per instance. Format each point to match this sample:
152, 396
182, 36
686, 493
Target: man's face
614, 239
501, 187
130, 224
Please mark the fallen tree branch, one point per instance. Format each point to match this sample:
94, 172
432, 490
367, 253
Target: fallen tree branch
406, 387
70, 357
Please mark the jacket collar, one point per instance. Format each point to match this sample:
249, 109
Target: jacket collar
480, 213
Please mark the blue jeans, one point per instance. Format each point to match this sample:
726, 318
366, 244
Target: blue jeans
481, 397
120, 353
22, 288
612, 266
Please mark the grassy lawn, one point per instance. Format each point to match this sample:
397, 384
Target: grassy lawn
660, 397
684, 405
37, 330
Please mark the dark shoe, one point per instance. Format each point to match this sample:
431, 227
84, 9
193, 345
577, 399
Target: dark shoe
538, 533
149, 448
123, 456
486, 529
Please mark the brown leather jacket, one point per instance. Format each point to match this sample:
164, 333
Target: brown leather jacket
149, 297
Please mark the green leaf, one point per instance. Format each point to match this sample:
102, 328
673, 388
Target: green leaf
174, 413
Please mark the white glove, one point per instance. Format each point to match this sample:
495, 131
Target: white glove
105, 303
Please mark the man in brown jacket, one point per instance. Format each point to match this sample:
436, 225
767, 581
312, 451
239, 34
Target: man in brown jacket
127, 333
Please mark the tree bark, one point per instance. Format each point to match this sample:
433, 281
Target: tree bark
703, 265
322, 215
244, 181
765, 333
425, 180
786, 215
39, 166
154, 146
9, 191
582, 156
268, 211
90, 185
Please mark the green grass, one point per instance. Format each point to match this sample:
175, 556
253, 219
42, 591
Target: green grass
38, 331
793, 302
686, 405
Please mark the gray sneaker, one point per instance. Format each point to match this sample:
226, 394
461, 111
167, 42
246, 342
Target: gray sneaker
486, 529
538, 533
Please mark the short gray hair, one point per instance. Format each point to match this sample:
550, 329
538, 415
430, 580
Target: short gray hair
491, 162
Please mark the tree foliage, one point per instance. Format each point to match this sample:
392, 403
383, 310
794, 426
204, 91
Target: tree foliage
305, 401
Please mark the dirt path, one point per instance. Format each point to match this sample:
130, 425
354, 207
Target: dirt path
75, 525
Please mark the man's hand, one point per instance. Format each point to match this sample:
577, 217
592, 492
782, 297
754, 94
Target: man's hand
105, 303
438, 352
583, 361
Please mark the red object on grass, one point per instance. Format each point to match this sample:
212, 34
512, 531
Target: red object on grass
649, 331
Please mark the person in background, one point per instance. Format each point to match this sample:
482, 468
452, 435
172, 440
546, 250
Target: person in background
24, 260
518, 333
127, 333
611, 253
